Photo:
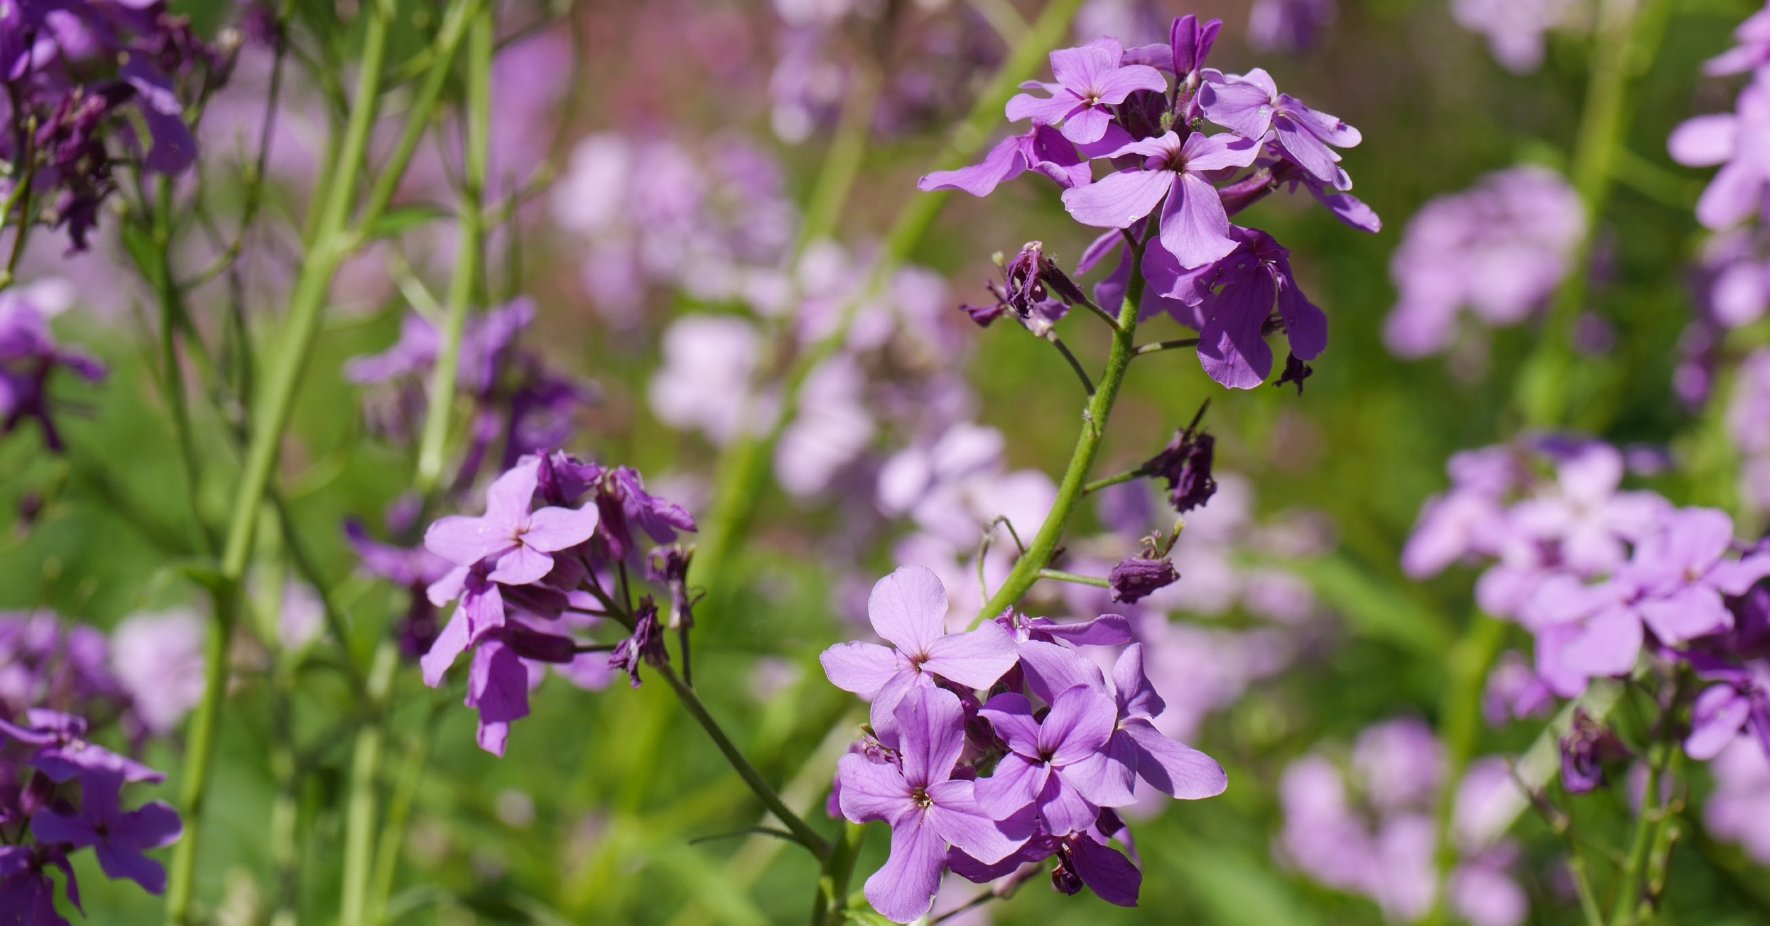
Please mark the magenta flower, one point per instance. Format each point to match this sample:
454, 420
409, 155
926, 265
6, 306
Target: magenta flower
1059, 765
1752, 52
1194, 225
1250, 106
1089, 80
119, 838
908, 610
1232, 344
927, 808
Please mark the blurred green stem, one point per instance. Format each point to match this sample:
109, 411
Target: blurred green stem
1623, 48
742, 466
1460, 726
332, 241
838, 871
1628, 886
361, 821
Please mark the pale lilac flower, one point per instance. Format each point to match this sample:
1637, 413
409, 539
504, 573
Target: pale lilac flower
1089, 80
928, 809
1515, 28
1740, 804
706, 380
1194, 226
159, 660
1737, 142
1288, 25
908, 610
1752, 52
1497, 250
1748, 424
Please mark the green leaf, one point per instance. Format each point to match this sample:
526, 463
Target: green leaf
1374, 608
401, 219
1236, 889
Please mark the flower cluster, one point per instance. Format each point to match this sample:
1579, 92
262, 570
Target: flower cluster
519, 405
1603, 577
1499, 250
81, 74
1148, 112
60, 793
29, 359
1000, 747
1367, 825
551, 555
1516, 30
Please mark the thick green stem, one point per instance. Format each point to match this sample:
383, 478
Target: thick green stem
1628, 885
1075, 477
802, 831
361, 821
838, 871
268, 423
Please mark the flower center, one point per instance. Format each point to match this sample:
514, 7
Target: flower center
920, 796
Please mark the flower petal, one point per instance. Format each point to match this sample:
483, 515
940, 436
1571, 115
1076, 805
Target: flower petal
862, 668
908, 609
1118, 200
976, 659
1195, 229
903, 890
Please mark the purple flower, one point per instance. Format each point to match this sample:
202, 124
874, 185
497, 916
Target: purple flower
1044, 150
1752, 52
1288, 25
511, 542
1185, 464
1514, 28
1251, 106
1248, 283
63, 753
29, 358
1739, 142
1058, 765
26, 890
1090, 79
1171, 767
927, 808
908, 610
119, 838
625, 505
1739, 704
1194, 225
1584, 750
1498, 249
644, 645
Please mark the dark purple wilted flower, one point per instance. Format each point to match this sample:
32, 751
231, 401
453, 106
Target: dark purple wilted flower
1136, 578
1186, 466
1584, 750
645, 645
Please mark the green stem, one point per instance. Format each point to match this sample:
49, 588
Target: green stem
838, 871
1058, 575
365, 774
802, 831
1622, 48
399, 811
271, 419
842, 162
361, 820
1628, 886
1075, 478
1107, 482
1460, 725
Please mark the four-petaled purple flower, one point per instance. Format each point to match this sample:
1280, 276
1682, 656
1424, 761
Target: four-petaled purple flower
908, 610
928, 809
1089, 80
118, 837
1251, 106
1058, 765
1194, 225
